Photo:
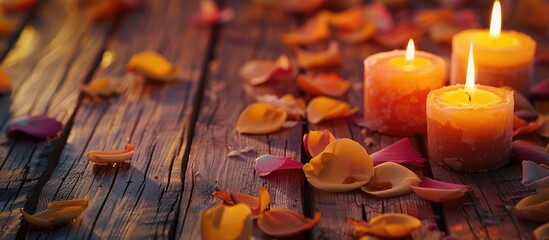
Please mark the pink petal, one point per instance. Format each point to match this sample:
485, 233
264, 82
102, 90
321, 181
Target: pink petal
431, 183
381, 16
210, 14
529, 127
401, 152
33, 128
266, 164
541, 89
438, 191
534, 175
525, 150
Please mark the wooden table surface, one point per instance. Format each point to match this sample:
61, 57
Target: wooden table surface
183, 130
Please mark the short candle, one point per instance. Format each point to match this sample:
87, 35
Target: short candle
396, 87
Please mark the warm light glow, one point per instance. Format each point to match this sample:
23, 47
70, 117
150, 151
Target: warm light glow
410, 50
495, 22
470, 78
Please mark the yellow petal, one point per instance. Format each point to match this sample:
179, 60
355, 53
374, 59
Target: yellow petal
388, 225
152, 65
316, 141
324, 108
5, 82
257, 205
57, 213
329, 58
226, 222
327, 84
111, 157
260, 118
534, 207
315, 30
343, 166
285, 223
397, 175
102, 89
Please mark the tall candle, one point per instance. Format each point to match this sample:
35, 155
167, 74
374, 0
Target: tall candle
503, 58
469, 128
396, 87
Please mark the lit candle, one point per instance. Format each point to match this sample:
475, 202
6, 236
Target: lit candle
396, 87
469, 128
503, 58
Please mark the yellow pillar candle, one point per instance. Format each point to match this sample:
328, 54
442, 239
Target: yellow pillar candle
469, 128
503, 58
396, 87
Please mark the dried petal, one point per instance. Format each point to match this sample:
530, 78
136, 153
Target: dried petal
57, 213
111, 157
541, 89
525, 150
5, 83
523, 127
257, 205
388, 225
316, 141
535, 176
295, 107
33, 128
256, 72
351, 19
329, 58
266, 164
17, 5
438, 191
366, 32
397, 175
210, 14
343, 166
542, 232
534, 207
102, 89
324, 108
314, 31
327, 84
399, 36
153, 66
285, 223
401, 152
300, 6
226, 222
381, 16
260, 118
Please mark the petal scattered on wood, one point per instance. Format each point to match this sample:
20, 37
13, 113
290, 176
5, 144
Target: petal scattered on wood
256, 72
108, 10
438, 191
525, 150
295, 107
266, 164
343, 166
541, 89
399, 36
324, 108
326, 84
33, 128
391, 225
391, 180
226, 222
366, 32
300, 6
523, 127
534, 207
542, 232
211, 14
324, 59
466, 19
315, 142
314, 31
349, 20
260, 118
427, 18
257, 205
152, 66
381, 16
112, 157
543, 130
102, 89
443, 32
535, 176
401, 152
17, 5
285, 223
57, 213
5, 83
523, 108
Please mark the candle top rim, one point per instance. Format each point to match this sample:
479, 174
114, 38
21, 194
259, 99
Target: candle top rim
505, 95
382, 60
462, 40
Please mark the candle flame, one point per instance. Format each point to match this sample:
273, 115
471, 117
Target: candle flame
410, 50
495, 21
470, 78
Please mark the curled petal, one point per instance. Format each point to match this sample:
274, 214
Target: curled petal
438, 191
152, 66
534, 207
541, 89
101, 89
391, 225
257, 205
525, 150
401, 152
381, 16
256, 72
260, 118
329, 58
327, 84
211, 14
535, 176
343, 166
399, 36
285, 223
314, 31
111, 157
542, 232
351, 19
57, 213
363, 34
391, 180
523, 127
33, 128
324, 108
316, 141
295, 107
266, 164
226, 222
300, 6
5, 83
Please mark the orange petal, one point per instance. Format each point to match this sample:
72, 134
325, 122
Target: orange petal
17, 5
534, 207
256, 205
316, 141
348, 20
426, 18
343, 166
324, 108
329, 58
327, 84
315, 30
300, 6
399, 36
226, 222
256, 72
152, 65
102, 89
57, 213
363, 34
260, 118
391, 225
111, 157
5, 83
285, 223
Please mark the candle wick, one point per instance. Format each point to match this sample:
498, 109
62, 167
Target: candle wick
469, 95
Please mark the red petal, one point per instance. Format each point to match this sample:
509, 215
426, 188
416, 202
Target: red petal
33, 128
381, 16
525, 150
541, 89
401, 152
266, 164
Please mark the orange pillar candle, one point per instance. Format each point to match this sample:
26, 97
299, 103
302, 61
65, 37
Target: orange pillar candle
502, 58
396, 87
469, 128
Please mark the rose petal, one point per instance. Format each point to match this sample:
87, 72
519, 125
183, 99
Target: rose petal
438, 191
525, 150
111, 157
534, 207
343, 166
523, 108
466, 19
17, 5
541, 89
295, 107
427, 18
316, 141
523, 127
324, 108
153, 66
256, 72
443, 32
33, 128
363, 34
329, 58
388, 225
211, 14
541, 232
401, 152
535, 176
260, 118
5, 83
399, 177
399, 36
285, 223
257, 205
57, 213
314, 31
452, 3
226, 222
351, 19
327, 84
102, 89
266, 164
381, 16
300, 6
543, 130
